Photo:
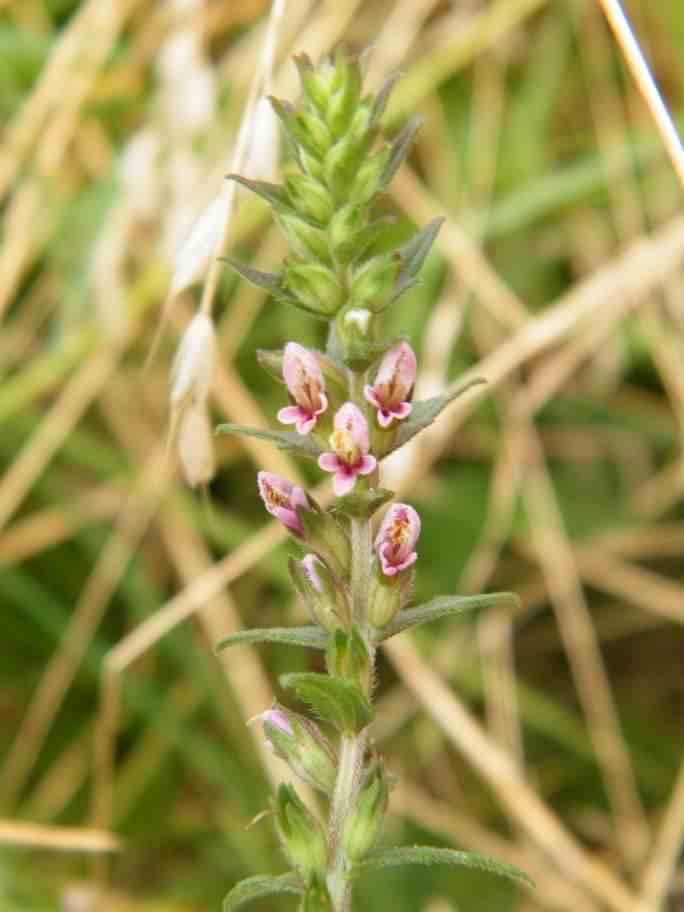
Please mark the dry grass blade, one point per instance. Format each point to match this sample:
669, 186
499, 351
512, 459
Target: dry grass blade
56, 839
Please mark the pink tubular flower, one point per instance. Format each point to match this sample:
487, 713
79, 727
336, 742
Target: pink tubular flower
396, 540
393, 385
306, 387
283, 500
350, 444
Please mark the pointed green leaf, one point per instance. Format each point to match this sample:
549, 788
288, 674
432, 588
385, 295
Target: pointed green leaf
444, 606
381, 99
335, 701
274, 194
413, 254
285, 440
424, 413
362, 504
426, 855
261, 886
400, 148
311, 637
271, 282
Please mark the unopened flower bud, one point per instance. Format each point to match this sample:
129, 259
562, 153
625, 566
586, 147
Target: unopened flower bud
299, 742
315, 286
368, 180
373, 282
309, 198
365, 822
304, 240
284, 500
325, 600
345, 226
193, 366
300, 833
384, 597
355, 330
195, 443
395, 542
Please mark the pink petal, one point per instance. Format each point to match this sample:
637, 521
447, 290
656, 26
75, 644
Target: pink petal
350, 418
371, 396
328, 462
343, 482
385, 419
298, 364
290, 414
306, 423
367, 465
401, 411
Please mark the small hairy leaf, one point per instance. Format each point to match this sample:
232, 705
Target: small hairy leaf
362, 504
335, 701
273, 193
286, 440
270, 281
444, 606
426, 855
261, 886
400, 148
412, 256
312, 637
424, 413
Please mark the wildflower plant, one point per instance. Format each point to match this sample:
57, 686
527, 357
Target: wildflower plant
348, 408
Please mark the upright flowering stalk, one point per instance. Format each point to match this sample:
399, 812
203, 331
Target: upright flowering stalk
349, 407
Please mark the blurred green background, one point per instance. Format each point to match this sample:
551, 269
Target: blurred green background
558, 270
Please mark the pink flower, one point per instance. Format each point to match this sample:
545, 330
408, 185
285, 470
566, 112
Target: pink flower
396, 540
306, 386
283, 500
350, 444
278, 719
393, 385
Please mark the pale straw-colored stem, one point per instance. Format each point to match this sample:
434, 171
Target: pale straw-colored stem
646, 83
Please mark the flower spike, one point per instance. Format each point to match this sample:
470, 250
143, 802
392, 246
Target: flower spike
306, 386
396, 540
350, 444
283, 500
393, 385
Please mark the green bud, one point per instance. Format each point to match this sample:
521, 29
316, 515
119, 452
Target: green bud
368, 180
300, 743
309, 198
324, 597
344, 231
315, 286
272, 362
344, 102
304, 240
324, 535
348, 657
312, 133
374, 281
384, 596
312, 165
342, 164
364, 824
354, 333
316, 898
301, 835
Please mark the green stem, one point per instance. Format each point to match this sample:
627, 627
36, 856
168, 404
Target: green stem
352, 747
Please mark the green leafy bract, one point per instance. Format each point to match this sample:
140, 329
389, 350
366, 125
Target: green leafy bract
424, 413
362, 504
426, 855
334, 700
261, 886
310, 637
285, 440
444, 606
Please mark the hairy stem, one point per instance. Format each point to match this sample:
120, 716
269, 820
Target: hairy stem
352, 747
